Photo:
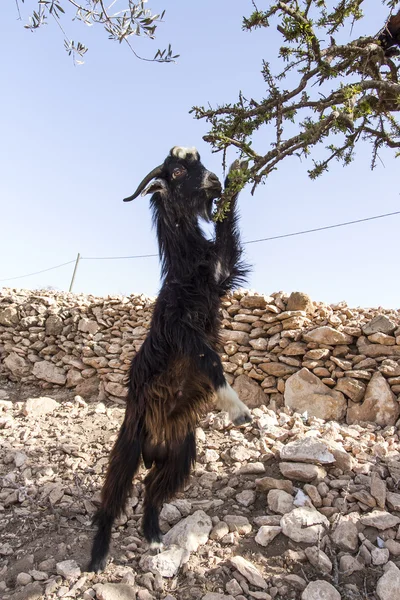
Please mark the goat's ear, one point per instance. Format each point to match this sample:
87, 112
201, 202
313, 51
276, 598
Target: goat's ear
158, 185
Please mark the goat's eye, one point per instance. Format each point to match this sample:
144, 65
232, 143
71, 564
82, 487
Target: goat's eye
178, 172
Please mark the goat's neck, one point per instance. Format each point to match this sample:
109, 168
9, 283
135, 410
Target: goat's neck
182, 245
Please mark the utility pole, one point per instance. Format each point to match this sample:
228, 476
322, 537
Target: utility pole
74, 273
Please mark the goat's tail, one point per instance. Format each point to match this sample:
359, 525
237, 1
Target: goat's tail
124, 462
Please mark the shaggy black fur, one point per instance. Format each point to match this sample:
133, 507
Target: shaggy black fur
177, 371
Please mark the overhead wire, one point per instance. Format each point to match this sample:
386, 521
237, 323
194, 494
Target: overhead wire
267, 239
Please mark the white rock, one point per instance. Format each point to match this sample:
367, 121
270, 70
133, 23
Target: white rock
68, 569
37, 407
380, 556
170, 514
320, 590
249, 571
246, 498
46, 370
165, 563
266, 534
305, 393
114, 591
191, 532
388, 586
319, 560
279, 501
307, 450
380, 519
23, 578
304, 524
216, 596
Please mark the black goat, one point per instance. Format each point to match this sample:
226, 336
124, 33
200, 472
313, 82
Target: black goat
177, 371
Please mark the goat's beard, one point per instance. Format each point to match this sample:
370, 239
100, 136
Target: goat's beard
208, 210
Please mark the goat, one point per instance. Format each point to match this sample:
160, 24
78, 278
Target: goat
177, 371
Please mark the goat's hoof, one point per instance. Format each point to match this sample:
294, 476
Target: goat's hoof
97, 565
156, 546
243, 419
239, 164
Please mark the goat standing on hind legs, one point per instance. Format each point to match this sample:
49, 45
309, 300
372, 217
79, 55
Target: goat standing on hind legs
177, 371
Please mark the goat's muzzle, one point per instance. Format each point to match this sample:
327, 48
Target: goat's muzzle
212, 185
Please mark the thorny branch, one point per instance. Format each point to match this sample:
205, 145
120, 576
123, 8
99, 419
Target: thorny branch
133, 20
344, 93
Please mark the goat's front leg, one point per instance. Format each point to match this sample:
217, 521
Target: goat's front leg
227, 399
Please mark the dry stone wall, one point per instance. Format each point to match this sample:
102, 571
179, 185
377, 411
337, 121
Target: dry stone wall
329, 361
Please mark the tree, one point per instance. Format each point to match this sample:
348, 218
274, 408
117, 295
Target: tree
120, 23
339, 94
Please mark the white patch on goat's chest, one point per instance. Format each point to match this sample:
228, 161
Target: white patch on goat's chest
218, 271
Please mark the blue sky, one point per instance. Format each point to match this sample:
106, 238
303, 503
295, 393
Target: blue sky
76, 140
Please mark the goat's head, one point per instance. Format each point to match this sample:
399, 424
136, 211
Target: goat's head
182, 184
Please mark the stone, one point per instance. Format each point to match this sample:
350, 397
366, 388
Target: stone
165, 563
253, 302
345, 536
269, 483
240, 337
116, 389
319, 560
320, 590
23, 578
382, 338
277, 369
305, 393
216, 596
307, 450
380, 556
238, 523
249, 392
17, 364
266, 534
280, 502
246, 498
327, 335
380, 520
379, 404
305, 525
379, 324
300, 301
88, 326
233, 587
68, 569
219, 531
9, 316
249, 571
170, 513
352, 388
350, 564
191, 532
393, 547
114, 591
302, 471
388, 585
46, 370
88, 387
393, 501
54, 325
38, 407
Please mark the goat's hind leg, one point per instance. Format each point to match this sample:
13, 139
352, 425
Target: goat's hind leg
166, 478
124, 462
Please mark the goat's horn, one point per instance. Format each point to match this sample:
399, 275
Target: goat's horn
152, 175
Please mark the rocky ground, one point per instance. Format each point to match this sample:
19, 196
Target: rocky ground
285, 508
